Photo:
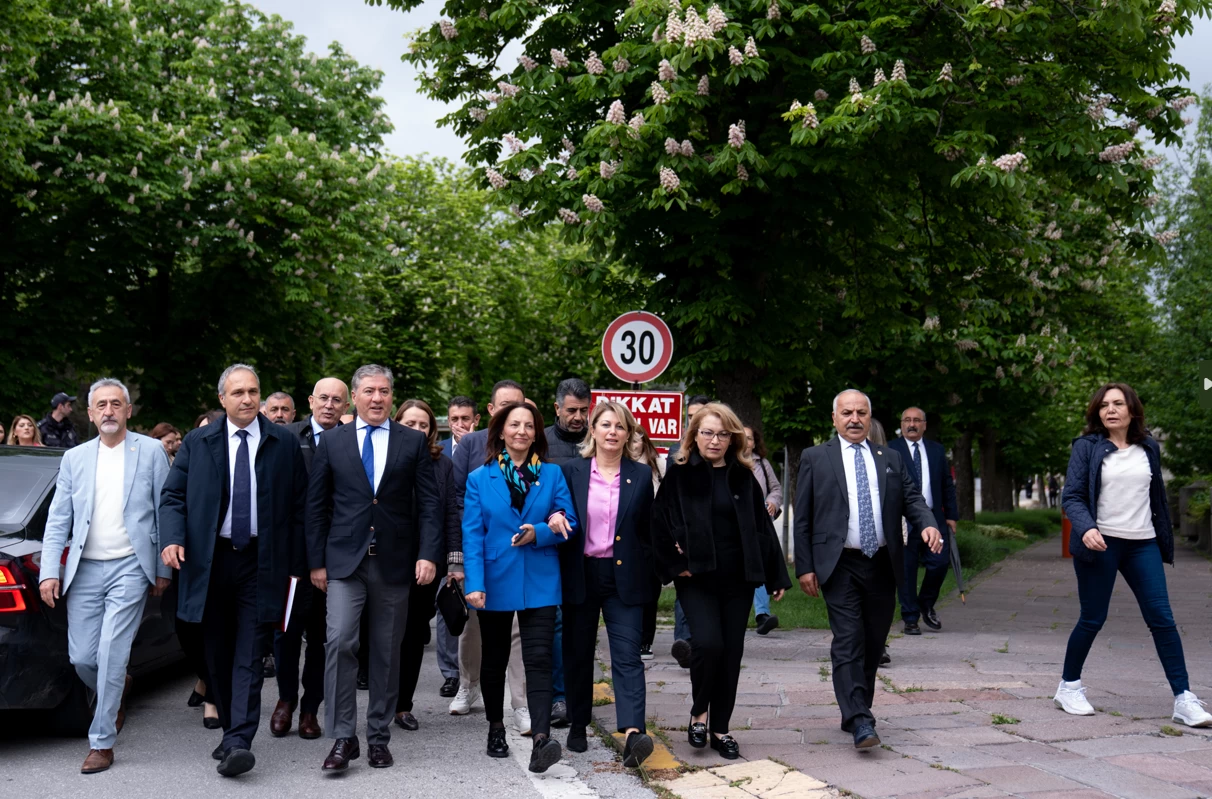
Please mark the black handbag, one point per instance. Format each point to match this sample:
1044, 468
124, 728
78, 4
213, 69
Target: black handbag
453, 607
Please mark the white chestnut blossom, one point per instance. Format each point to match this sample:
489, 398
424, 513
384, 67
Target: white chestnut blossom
696, 30
1117, 152
736, 135
621, 65
994, 4
810, 120
669, 180
931, 323
558, 59
1168, 237
508, 89
673, 26
665, 70
898, 71
716, 19
704, 86
751, 50
448, 29
607, 169
594, 65
592, 203
735, 57
944, 75
687, 148
1180, 103
1151, 162
616, 114
856, 91
773, 11
741, 172
569, 217
1015, 80
820, 95
866, 45
1009, 162
636, 122
659, 95
879, 77
571, 174
672, 147
478, 114
528, 63
515, 144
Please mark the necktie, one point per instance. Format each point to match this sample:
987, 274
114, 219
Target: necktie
867, 540
917, 464
368, 456
241, 496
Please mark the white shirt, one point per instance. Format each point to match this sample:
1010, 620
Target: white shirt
1124, 509
233, 447
107, 537
852, 527
380, 445
927, 492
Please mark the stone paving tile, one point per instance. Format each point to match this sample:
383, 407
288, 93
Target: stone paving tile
1140, 744
1085, 793
1031, 753
1022, 779
1166, 769
1197, 756
957, 757
892, 776
979, 792
1072, 728
1120, 781
968, 736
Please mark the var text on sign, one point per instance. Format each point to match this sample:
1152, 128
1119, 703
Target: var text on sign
660, 412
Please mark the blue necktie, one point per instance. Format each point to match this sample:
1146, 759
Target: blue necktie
368, 456
241, 497
867, 540
917, 465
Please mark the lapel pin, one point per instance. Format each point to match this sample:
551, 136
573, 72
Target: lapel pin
879, 452
629, 480
132, 449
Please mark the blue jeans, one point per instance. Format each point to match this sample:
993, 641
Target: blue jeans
1141, 564
761, 601
681, 628
557, 659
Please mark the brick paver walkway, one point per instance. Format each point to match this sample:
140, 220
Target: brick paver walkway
967, 712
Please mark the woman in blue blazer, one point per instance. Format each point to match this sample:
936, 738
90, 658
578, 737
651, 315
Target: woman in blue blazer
516, 509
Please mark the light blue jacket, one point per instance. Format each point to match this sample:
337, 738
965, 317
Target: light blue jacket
513, 578
71, 510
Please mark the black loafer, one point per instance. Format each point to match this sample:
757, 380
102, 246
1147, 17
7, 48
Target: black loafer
546, 753
637, 749
885, 659
865, 737
931, 619
577, 740
766, 623
696, 734
496, 743
911, 628
681, 653
726, 745
379, 756
408, 721
363, 681
449, 688
235, 762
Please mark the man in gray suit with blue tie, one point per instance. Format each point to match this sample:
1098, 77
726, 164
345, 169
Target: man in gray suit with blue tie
104, 512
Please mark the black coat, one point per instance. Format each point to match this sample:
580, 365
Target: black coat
681, 516
633, 568
194, 502
942, 486
451, 501
405, 517
562, 447
302, 430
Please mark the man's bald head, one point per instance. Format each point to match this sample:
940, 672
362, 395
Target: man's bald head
329, 400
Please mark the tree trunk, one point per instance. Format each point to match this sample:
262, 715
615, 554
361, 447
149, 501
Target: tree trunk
997, 484
965, 479
736, 388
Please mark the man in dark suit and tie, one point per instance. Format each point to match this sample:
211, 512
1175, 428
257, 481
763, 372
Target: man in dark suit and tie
374, 522
231, 519
462, 419
926, 459
850, 493
329, 399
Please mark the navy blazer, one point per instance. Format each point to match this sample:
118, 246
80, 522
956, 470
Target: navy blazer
194, 501
1082, 484
448, 448
404, 517
633, 566
942, 486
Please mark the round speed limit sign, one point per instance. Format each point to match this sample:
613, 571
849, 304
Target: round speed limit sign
637, 347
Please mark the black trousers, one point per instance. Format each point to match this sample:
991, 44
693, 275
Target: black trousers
310, 615
861, 598
717, 610
190, 638
648, 634
234, 641
421, 611
624, 625
537, 628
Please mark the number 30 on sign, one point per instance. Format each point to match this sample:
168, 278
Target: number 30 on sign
637, 347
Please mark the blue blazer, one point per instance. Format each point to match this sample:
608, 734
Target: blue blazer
942, 487
145, 468
513, 578
447, 444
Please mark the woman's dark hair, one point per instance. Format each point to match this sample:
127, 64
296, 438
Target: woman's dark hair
435, 446
496, 430
163, 429
1136, 426
210, 417
759, 444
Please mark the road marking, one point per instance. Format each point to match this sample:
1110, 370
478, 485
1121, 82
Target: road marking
561, 781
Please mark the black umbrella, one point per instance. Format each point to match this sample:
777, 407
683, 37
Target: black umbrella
957, 567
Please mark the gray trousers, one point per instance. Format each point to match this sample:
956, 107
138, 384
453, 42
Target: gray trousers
104, 608
387, 605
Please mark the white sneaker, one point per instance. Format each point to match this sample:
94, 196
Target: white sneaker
521, 720
1071, 698
1189, 710
464, 699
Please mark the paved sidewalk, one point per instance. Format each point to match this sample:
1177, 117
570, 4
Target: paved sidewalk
967, 712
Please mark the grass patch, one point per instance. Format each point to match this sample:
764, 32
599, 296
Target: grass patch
998, 718
1168, 730
1005, 648
1116, 713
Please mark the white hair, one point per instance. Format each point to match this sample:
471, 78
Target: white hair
370, 370
107, 382
851, 391
235, 367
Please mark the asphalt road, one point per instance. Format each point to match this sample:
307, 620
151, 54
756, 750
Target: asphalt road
164, 751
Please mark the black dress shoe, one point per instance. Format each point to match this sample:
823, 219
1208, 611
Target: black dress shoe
885, 659
449, 688
681, 653
637, 749
546, 753
931, 619
408, 721
363, 681
379, 756
911, 628
343, 751
235, 762
195, 699
211, 724
559, 714
726, 745
577, 740
766, 623
696, 734
268, 670
219, 752
496, 743
865, 737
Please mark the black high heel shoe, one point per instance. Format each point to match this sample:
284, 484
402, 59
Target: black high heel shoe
696, 734
195, 699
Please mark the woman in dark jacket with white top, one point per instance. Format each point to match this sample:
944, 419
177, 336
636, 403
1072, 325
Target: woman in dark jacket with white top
1116, 500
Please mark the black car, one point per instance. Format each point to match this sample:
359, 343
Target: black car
35, 673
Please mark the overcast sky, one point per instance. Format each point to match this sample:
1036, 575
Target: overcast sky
376, 37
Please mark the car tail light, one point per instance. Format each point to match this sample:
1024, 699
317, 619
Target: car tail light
12, 597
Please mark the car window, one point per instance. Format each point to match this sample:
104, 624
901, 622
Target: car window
22, 491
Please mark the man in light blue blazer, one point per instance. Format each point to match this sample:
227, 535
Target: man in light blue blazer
104, 513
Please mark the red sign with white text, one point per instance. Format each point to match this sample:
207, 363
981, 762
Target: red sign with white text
660, 412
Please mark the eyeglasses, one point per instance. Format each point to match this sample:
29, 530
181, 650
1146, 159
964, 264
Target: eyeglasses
708, 435
912, 420
323, 400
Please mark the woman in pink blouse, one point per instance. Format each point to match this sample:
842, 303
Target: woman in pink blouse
608, 572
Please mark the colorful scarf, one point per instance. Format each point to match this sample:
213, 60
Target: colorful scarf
519, 480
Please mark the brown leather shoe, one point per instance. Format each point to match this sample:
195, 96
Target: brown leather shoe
343, 751
281, 720
120, 721
309, 726
97, 760
379, 756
